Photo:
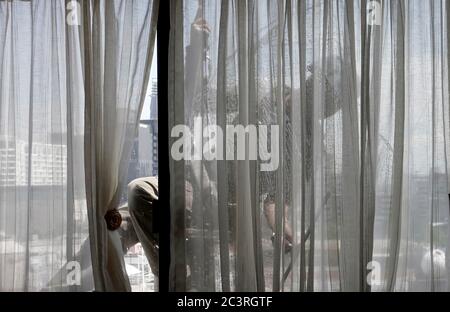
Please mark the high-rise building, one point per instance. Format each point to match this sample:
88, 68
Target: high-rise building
154, 127
48, 164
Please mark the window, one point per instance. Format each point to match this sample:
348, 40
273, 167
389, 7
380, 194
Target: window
143, 163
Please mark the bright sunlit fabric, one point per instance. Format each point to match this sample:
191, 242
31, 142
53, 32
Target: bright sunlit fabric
73, 79
43, 219
119, 42
359, 90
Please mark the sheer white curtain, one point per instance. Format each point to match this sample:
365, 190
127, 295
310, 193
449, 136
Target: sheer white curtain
410, 65
43, 219
359, 90
73, 80
118, 54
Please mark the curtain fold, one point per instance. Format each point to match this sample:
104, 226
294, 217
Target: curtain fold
43, 214
358, 200
411, 227
73, 79
119, 42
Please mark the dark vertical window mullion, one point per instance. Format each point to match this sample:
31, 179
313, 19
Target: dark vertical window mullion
163, 142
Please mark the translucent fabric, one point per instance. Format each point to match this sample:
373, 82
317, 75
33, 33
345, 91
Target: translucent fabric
119, 43
73, 78
43, 217
359, 199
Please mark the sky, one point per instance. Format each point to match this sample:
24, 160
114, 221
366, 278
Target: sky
153, 75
